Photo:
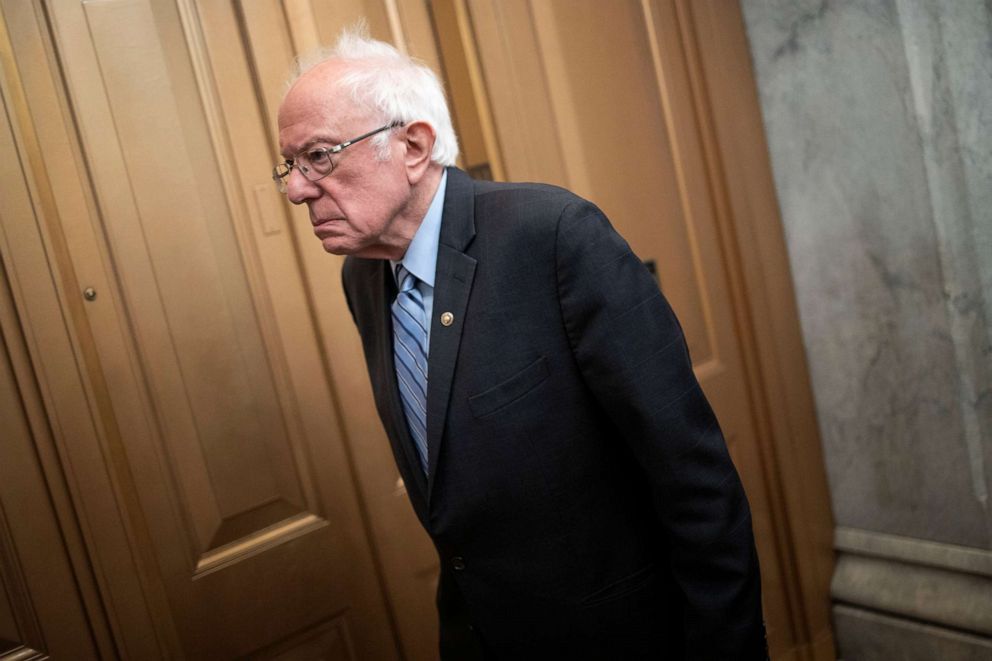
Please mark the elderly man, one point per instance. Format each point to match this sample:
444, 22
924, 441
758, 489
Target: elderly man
534, 384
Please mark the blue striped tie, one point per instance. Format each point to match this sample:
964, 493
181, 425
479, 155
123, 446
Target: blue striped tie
410, 354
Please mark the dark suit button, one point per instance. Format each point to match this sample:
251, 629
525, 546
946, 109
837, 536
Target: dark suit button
458, 563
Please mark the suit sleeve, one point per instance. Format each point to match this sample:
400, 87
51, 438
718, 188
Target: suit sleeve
632, 354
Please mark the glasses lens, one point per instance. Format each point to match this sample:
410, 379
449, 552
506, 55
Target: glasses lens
280, 174
315, 164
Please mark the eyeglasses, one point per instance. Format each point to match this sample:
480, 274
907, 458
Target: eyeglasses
315, 164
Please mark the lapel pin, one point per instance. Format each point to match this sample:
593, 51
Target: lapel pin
447, 318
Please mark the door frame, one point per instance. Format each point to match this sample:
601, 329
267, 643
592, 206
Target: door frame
736, 154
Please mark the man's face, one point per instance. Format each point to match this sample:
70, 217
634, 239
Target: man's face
353, 210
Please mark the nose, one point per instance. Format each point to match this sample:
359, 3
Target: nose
299, 189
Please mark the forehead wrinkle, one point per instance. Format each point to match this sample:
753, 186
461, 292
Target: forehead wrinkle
319, 137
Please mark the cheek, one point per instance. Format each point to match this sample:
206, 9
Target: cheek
368, 200
337, 201
372, 210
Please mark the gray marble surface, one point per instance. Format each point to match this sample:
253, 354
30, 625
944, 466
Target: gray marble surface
878, 115
867, 636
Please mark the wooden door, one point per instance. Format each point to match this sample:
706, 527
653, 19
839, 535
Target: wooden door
204, 445
274, 32
610, 100
42, 607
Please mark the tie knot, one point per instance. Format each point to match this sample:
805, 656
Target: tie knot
406, 280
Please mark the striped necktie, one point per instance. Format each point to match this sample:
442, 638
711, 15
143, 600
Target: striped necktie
410, 354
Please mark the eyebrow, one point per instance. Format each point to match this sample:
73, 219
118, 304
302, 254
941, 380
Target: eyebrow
331, 142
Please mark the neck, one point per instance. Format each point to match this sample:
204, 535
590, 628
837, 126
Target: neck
409, 219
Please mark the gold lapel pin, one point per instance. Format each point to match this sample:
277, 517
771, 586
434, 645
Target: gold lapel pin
447, 318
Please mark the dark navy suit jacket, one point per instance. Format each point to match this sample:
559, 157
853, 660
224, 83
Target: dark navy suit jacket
581, 497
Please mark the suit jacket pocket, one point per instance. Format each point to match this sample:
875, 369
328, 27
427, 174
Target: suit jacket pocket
620, 588
510, 390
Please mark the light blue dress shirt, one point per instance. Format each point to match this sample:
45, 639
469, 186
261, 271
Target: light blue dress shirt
421, 256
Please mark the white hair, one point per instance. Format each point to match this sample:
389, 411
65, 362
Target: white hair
390, 85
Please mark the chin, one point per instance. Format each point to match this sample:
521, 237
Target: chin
335, 248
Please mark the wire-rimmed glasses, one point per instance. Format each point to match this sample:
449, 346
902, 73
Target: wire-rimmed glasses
318, 162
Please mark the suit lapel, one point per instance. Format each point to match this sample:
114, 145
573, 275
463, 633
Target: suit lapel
452, 287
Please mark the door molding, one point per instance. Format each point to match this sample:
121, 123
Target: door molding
747, 210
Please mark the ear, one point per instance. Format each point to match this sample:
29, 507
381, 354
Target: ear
419, 139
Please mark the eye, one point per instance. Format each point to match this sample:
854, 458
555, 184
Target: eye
319, 158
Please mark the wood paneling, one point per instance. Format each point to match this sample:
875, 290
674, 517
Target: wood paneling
777, 374
211, 399
41, 185
214, 464
402, 551
327, 640
41, 603
41, 609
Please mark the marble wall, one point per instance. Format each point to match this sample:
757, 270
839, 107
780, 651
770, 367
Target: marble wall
878, 115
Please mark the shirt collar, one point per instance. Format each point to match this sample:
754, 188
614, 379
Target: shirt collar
421, 255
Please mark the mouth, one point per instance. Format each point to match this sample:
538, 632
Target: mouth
324, 225
327, 228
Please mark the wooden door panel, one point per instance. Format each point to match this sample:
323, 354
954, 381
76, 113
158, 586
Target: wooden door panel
41, 610
41, 605
621, 154
187, 294
229, 406
18, 624
205, 339
274, 32
328, 640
